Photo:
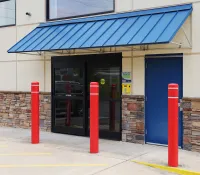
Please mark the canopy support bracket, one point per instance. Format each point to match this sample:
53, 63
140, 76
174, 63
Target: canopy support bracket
187, 38
189, 42
27, 53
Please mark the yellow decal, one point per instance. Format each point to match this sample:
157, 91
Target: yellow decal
102, 81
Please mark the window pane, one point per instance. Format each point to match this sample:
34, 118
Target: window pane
109, 115
69, 113
69, 82
70, 8
7, 13
109, 81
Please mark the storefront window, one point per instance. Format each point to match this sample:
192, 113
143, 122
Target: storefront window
73, 8
7, 12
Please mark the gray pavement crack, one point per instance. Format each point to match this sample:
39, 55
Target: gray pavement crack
119, 163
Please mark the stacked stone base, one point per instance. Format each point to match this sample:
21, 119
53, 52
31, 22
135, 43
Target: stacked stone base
133, 119
191, 124
15, 110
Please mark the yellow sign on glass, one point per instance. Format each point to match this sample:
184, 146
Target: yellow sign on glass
102, 81
126, 89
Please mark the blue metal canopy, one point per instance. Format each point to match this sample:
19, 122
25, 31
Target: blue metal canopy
124, 29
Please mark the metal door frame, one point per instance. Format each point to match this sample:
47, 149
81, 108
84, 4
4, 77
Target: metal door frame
85, 58
113, 58
59, 129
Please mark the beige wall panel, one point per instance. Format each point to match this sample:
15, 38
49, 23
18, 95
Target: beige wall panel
47, 76
123, 5
138, 76
29, 57
126, 65
8, 76
37, 8
6, 43
28, 71
126, 54
196, 27
191, 74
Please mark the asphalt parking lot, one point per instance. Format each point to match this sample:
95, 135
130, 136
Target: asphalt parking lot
63, 154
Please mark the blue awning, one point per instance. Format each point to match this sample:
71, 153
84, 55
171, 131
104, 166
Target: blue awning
124, 29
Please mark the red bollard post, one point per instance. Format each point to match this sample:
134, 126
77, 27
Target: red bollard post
35, 112
173, 125
94, 117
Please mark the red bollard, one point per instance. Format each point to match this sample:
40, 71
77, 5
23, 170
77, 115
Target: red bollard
173, 125
94, 117
35, 112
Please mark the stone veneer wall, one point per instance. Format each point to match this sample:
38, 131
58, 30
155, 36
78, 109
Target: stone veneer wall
191, 124
15, 110
133, 119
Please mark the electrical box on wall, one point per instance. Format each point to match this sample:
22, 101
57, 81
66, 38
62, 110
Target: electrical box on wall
126, 88
126, 83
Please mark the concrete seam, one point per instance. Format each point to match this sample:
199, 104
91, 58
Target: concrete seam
109, 167
119, 164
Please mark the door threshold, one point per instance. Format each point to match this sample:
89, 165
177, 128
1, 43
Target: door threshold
158, 144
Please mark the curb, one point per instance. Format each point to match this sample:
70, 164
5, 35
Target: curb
169, 169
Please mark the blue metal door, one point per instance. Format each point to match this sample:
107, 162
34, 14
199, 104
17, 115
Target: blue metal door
159, 72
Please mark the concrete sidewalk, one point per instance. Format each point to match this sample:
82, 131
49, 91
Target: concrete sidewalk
64, 154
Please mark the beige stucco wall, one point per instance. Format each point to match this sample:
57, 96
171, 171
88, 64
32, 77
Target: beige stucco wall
191, 72
7, 61
37, 8
19, 70
125, 5
144, 4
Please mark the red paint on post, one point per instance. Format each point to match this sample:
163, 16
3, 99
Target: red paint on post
112, 108
94, 117
173, 125
35, 112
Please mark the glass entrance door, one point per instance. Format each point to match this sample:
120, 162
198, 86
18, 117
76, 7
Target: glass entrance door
69, 97
70, 94
108, 75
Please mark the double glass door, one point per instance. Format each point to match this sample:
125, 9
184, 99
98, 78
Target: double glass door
70, 95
